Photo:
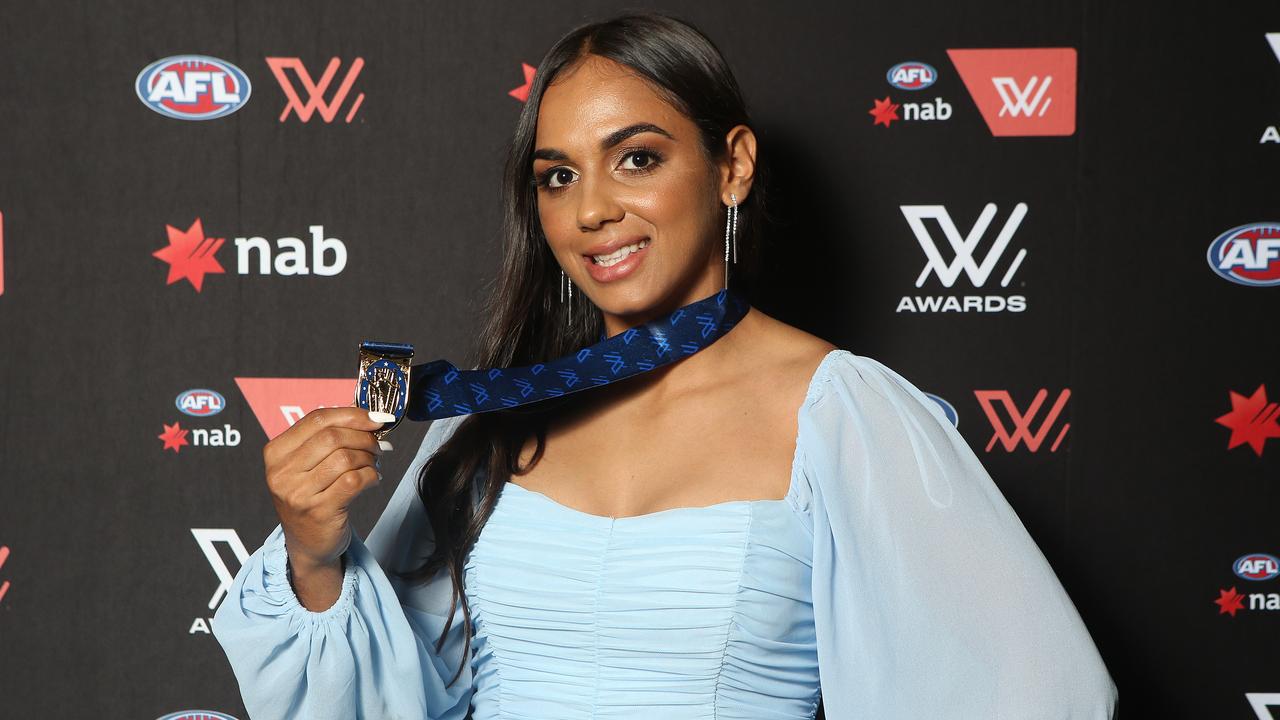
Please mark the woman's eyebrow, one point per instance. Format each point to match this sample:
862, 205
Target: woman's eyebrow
609, 141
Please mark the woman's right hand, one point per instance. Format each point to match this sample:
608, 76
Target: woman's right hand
315, 470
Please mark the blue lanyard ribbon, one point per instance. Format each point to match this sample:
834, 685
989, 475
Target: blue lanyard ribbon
438, 389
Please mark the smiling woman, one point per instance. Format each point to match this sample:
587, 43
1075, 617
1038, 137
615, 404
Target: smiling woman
762, 527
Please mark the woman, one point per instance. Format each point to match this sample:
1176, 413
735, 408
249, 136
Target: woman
764, 525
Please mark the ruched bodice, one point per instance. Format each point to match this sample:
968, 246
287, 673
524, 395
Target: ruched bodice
703, 612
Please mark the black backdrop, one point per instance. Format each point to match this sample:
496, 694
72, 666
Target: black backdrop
1133, 491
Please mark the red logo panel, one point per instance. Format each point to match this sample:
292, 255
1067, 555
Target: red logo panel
280, 402
1021, 91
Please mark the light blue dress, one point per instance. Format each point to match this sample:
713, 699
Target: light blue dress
892, 581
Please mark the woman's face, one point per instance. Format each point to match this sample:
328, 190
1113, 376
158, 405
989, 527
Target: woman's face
616, 165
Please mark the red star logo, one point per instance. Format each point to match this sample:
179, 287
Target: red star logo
190, 254
885, 111
174, 437
1252, 420
1229, 601
522, 93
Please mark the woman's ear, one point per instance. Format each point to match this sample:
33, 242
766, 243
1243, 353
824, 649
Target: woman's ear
739, 166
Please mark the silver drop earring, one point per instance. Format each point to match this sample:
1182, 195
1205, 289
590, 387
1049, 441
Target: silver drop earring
730, 228
563, 279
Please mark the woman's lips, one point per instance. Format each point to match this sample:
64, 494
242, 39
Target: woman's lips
618, 270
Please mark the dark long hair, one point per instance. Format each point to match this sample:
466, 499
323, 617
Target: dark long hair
526, 322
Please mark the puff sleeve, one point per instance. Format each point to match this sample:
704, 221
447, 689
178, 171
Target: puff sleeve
930, 597
372, 654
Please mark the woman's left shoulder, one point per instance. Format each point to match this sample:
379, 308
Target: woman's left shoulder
790, 352
807, 366
847, 385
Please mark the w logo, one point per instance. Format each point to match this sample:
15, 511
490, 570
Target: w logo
207, 538
316, 91
964, 247
1021, 432
1260, 702
1021, 91
1018, 100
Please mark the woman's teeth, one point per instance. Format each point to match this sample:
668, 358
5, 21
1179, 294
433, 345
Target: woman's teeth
616, 257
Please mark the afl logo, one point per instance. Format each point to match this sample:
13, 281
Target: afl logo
912, 75
1248, 255
200, 403
197, 715
193, 87
947, 409
1257, 566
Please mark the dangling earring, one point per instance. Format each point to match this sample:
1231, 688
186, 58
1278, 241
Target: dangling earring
563, 278
730, 228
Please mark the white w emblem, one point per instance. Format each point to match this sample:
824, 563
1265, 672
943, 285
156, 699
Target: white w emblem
206, 537
1260, 701
1016, 98
964, 247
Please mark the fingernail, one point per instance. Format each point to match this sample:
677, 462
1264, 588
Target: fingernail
379, 477
377, 463
386, 446
381, 417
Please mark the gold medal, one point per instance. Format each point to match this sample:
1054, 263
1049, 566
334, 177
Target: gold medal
382, 383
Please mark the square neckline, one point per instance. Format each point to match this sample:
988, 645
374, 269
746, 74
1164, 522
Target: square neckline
819, 374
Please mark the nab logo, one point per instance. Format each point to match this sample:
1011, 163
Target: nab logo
963, 248
1248, 255
315, 91
207, 539
1021, 91
175, 437
912, 75
1022, 421
200, 403
1256, 567
885, 111
191, 255
1231, 601
193, 87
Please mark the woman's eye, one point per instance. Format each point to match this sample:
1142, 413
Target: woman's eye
551, 176
645, 154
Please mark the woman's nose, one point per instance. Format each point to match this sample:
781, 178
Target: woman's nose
597, 203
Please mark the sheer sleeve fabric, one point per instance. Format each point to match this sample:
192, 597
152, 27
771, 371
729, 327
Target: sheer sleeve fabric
930, 597
372, 654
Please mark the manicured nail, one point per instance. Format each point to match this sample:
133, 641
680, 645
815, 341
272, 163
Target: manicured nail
381, 417
379, 477
386, 446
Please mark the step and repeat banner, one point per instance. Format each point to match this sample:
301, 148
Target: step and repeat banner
1059, 219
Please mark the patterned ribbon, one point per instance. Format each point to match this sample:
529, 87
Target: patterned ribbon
438, 389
